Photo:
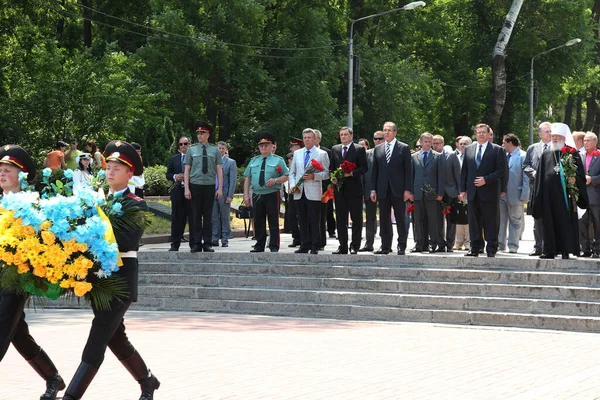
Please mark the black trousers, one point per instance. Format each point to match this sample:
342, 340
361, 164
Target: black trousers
484, 216
181, 213
371, 221
203, 198
108, 329
266, 207
309, 216
344, 205
385, 221
13, 328
591, 219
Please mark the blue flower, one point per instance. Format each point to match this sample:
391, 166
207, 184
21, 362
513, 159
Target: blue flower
101, 174
23, 176
47, 172
69, 173
116, 207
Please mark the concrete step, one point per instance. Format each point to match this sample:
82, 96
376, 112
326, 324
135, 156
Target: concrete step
356, 312
424, 273
185, 286
449, 260
402, 300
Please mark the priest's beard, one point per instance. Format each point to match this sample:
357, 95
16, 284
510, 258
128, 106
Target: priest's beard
557, 146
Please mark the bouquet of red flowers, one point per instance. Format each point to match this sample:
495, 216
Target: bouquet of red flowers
311, 168
337, 177
569, 168
411, 207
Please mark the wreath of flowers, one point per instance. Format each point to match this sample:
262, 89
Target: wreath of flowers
60, 243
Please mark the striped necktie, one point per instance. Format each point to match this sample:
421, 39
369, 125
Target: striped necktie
388, 152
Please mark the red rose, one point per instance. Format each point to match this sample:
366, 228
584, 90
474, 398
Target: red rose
348, 166
279, 169
596, 153
564, 150
410, 208
317, 165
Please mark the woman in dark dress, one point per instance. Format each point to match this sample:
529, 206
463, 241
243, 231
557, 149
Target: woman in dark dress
13, 328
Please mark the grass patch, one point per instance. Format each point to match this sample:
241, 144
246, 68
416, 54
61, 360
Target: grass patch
159, 226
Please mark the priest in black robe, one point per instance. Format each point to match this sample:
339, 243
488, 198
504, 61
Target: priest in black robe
552, 201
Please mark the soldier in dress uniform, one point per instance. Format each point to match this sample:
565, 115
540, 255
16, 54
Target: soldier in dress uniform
108, 327
13, 328
265, 173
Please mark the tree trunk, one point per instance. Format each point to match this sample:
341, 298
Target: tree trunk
87, 24
578, 119
592, 111
569, 110
498, 65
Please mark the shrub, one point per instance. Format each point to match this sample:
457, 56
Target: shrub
156, 181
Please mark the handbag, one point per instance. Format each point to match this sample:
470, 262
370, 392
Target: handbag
458, 214
245, 213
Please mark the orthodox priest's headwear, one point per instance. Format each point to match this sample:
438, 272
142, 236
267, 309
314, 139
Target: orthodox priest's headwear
558, 128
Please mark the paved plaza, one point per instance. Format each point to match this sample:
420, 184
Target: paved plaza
215, 356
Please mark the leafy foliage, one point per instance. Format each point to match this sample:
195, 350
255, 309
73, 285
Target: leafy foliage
156, 181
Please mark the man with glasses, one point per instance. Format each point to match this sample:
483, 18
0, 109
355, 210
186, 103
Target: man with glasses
451, 185
202, 169
181, 208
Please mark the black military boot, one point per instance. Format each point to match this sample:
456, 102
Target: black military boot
80, 382
137, 368
43, 365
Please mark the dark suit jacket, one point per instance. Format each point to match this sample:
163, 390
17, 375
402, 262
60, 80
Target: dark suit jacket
175, 167
353, 185
452, 174
431, 173
397, 174
493, 167
326, 182
593, 189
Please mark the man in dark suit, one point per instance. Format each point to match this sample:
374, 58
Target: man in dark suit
392, 181
181, 208
482, 182
349, 197
427, 167
451, 185
591, 162
530, 166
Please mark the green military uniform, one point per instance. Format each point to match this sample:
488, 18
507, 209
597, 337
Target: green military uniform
195, 159
266, 200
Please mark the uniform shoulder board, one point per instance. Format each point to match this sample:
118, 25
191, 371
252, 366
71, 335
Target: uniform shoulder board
134, 197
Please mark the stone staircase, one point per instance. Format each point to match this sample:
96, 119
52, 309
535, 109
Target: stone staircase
527, 293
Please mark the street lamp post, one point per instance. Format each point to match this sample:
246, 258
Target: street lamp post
569, 43
408, 7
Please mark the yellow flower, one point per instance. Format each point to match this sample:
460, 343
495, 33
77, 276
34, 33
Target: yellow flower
23, 268
46, 225
40, 271
81, 288
48, 237
29, 231
67, 283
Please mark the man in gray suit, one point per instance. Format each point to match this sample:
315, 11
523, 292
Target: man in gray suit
221, 223
530, 165
512, 204
591, 161
428, 170
370, 205
451, 184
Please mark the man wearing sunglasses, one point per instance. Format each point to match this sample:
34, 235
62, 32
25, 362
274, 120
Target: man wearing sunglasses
181, 208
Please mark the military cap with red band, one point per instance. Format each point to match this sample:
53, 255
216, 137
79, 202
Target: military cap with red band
124, 153
202, 126
17, 156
